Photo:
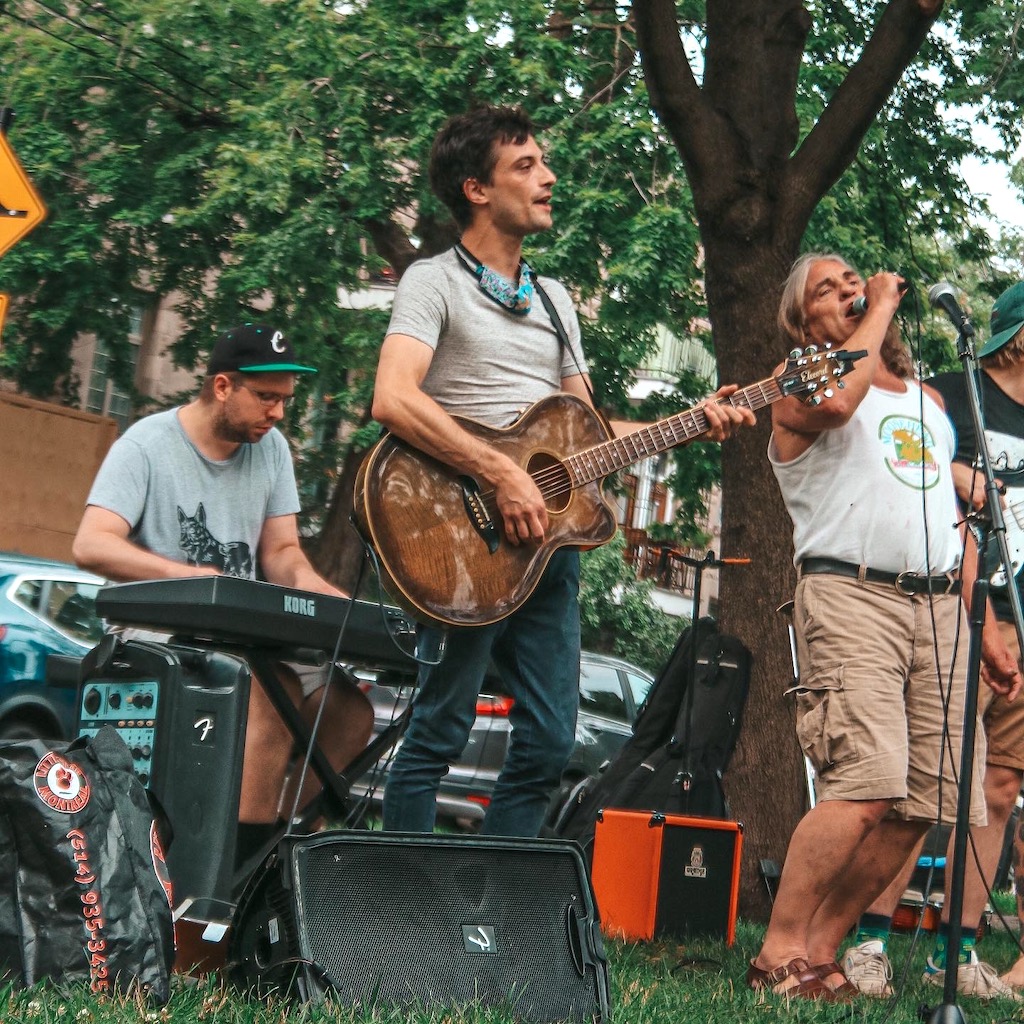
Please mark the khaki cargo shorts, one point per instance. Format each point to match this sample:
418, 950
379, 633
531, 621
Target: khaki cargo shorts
874, 676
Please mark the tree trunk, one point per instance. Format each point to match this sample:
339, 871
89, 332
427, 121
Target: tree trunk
338, 553
765, 779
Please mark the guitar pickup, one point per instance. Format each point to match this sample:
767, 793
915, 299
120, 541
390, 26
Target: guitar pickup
482, 520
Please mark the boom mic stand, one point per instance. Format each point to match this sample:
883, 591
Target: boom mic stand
948, 1012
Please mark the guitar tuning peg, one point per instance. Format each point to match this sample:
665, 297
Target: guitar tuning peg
795, 353
810, 350
814, 400
828, 392
840, 384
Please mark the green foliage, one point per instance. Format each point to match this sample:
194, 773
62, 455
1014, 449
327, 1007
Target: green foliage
617, 614
253, 156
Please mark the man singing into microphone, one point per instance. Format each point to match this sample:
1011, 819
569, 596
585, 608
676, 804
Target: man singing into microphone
866, 479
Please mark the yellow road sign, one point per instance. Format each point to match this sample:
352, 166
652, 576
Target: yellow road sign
21, 209
3, 313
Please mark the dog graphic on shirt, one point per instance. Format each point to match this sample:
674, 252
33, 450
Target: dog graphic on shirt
202, 548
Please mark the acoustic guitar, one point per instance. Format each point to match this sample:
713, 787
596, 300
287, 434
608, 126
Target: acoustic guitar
438, 535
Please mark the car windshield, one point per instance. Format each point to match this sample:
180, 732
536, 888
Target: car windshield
69, 605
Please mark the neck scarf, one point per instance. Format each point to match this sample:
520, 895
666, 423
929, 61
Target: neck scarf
514, 297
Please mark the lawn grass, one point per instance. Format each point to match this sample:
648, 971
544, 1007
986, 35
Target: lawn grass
652, 983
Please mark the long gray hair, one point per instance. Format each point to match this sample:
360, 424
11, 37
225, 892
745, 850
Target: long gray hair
791, 313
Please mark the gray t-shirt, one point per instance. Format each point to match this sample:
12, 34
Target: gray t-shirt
189, 508
493, 363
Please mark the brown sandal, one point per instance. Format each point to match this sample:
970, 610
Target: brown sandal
847, 990
808, 984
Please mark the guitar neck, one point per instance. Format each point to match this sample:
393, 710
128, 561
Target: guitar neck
604, 459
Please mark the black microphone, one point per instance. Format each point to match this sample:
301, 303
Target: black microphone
942, 296
860, 304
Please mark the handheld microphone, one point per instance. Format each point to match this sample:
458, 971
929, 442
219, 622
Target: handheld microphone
860, 304
942, 296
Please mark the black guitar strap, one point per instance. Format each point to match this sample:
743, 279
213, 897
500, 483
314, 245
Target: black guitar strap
563, 338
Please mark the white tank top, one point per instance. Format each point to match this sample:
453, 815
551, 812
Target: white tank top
877, 491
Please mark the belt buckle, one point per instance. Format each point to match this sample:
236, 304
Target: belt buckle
931, 583
901, 578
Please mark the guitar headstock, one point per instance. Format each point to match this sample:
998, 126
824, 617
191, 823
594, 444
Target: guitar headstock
812, 371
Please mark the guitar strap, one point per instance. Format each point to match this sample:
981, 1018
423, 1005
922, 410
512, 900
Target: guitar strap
563, 338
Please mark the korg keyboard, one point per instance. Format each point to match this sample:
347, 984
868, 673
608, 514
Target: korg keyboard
257, 614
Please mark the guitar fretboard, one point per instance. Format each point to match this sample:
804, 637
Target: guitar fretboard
605, 458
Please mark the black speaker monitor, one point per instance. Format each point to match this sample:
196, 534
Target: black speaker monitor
399, 920
182, 712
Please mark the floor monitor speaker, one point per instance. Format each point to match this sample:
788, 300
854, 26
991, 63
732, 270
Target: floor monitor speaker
401, 920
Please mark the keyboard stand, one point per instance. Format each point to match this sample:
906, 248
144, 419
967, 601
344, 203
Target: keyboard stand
335, 797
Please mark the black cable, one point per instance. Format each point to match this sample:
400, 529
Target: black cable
101, 59
71, 20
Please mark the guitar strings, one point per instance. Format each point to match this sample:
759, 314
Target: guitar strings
551, 481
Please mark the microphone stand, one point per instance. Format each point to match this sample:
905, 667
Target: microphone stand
948, 1012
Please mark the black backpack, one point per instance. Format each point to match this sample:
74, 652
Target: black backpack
683, 738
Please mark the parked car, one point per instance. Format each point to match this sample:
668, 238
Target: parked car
46, 608
611, 692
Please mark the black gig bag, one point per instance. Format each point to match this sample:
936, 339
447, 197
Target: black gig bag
683, 739
84, 892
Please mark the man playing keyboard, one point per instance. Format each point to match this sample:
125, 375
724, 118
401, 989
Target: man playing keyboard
208, 488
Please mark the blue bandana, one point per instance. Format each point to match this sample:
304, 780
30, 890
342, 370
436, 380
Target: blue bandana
506, 293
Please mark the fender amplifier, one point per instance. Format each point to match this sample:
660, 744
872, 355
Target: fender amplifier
182, 712
666, 875
395, 920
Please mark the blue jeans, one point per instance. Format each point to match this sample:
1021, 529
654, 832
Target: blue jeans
537, 652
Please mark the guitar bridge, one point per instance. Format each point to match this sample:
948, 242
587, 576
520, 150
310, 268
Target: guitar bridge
481, 519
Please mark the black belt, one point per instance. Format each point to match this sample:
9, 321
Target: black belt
904, 582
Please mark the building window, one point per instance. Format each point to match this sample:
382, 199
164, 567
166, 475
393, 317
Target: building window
105, 395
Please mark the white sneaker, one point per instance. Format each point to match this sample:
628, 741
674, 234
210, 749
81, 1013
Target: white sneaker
974, 979
868, 969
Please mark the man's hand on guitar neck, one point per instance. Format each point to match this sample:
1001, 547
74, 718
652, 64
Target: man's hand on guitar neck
724, 417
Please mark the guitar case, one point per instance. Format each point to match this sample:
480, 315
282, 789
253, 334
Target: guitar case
682, 741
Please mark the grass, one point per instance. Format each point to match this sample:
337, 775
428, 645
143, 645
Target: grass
652, 983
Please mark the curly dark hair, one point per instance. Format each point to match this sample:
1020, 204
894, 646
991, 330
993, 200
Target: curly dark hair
464, 148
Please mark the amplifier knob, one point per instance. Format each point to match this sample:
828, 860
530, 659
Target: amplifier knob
114, 700
91, 701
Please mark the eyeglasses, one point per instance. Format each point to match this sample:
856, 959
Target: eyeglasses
268, 399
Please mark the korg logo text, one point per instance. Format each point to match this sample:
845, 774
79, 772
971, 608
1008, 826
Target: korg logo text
299, 605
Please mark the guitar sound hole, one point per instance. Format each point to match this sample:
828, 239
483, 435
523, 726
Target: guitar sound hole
552, 479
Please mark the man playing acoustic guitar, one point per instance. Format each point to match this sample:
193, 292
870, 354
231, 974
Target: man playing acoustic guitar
468, 338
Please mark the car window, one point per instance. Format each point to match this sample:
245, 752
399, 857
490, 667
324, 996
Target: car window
601, 692
638, 686
68, 604
29, 593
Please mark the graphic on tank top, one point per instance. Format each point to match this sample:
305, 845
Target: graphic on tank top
908, 444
